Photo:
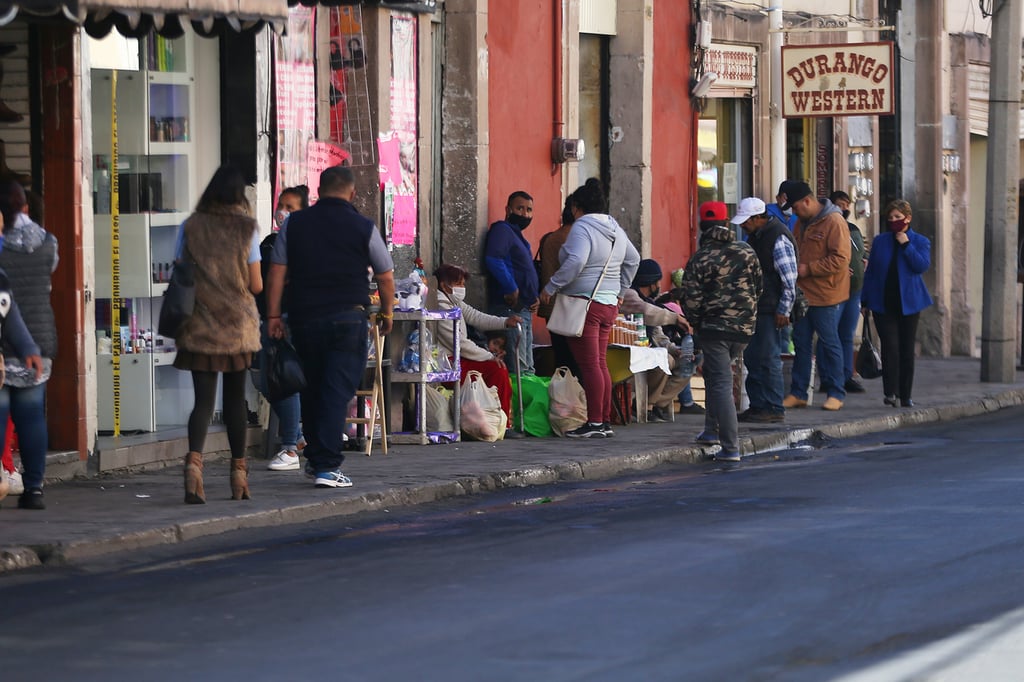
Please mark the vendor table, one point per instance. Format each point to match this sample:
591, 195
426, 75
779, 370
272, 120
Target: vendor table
632, 361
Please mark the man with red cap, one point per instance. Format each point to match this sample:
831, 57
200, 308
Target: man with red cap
721, 286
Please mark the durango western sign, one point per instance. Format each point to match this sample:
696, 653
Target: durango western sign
837, 80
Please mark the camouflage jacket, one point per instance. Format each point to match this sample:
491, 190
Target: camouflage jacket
721, 286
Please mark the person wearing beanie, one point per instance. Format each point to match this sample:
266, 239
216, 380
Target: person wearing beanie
784, 216
661, 388
849, 312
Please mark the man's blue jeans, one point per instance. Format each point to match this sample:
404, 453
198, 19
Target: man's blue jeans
823, 321
765, 386
334, 354
849, 315
27, 409
512, 336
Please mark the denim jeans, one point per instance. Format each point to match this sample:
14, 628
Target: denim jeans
720, 406
765, 386
334, 354
849, 315
287, 409
27, 408
823, 321
512, 336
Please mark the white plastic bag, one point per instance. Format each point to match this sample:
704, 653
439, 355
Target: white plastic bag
481, 415
568, 407
439, 409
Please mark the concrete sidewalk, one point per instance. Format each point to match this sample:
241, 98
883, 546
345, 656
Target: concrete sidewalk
88, 517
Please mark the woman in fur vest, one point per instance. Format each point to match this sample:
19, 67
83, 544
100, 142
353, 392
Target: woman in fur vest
220, 337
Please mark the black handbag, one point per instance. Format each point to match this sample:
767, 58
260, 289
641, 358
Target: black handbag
282, 370
179, 299
869, 362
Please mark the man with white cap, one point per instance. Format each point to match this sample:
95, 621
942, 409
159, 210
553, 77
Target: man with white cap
772, 242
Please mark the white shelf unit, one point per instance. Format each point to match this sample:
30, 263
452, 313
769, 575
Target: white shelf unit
156, 165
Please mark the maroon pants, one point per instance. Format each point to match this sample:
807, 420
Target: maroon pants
494, 375
591, 352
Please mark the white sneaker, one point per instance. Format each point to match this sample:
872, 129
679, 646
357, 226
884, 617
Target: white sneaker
284, 461
17, 487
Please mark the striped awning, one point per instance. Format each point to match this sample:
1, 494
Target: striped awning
167, 17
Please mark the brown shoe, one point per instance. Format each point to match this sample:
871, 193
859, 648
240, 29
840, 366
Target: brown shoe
833, 404
194, 479
792, 401
239, 479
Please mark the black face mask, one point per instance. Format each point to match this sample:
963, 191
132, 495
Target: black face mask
522, 222
846, 214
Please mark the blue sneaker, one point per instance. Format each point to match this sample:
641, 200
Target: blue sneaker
705, 438
727, 456
333, 478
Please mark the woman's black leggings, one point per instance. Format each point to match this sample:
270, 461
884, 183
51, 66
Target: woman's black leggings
235, 418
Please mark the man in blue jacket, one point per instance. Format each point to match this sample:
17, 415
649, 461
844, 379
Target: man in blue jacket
511, 276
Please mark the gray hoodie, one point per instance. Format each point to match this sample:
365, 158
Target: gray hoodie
584, 254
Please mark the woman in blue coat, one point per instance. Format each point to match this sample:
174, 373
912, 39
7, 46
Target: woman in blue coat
895, 294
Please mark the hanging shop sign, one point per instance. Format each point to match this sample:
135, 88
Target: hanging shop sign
735, 65
837, 80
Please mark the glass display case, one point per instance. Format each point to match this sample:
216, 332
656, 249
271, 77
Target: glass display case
151, 117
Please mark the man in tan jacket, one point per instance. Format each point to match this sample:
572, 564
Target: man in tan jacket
823, 274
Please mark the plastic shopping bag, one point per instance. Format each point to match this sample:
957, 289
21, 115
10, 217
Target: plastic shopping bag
439, 409
480, 410
535, 404
568, 408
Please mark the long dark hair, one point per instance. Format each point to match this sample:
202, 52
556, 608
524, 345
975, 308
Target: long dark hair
225, 190
590, 197
12, 200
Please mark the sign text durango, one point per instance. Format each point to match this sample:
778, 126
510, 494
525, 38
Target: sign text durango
837, 80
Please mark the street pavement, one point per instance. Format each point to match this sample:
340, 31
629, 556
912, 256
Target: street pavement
113, 513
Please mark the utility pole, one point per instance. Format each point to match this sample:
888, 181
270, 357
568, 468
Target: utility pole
777, 142
998, 317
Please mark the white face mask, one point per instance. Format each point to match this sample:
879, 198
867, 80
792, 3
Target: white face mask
459, 293
280, 217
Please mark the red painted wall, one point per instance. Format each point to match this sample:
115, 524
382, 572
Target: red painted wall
520, 39
673, 166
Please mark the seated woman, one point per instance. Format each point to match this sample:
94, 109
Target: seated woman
451, 293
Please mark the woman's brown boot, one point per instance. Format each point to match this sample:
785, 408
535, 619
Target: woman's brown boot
239, 479
194, 479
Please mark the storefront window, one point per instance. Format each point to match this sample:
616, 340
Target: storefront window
724, 152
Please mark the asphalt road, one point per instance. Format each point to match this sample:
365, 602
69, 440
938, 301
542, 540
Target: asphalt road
839, 559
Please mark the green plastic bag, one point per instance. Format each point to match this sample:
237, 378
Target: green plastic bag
535, 405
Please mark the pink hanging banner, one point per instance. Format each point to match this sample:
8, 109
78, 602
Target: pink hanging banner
295, 84
319, 157
404, 130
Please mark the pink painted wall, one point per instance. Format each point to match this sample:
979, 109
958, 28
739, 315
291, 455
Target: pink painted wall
673, 164
520, 39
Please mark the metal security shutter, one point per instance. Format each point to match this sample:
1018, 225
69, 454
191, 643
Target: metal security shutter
978, 77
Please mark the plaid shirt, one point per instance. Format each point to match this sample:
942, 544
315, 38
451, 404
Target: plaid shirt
785, 264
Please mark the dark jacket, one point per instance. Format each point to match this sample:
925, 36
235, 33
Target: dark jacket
721, 286
856, 259
914, 260
763, 242
508, 261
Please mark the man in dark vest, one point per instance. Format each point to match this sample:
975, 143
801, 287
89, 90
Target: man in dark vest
325, 253
773, 244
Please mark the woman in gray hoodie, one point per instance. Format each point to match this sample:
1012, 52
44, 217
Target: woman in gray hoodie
598, 263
